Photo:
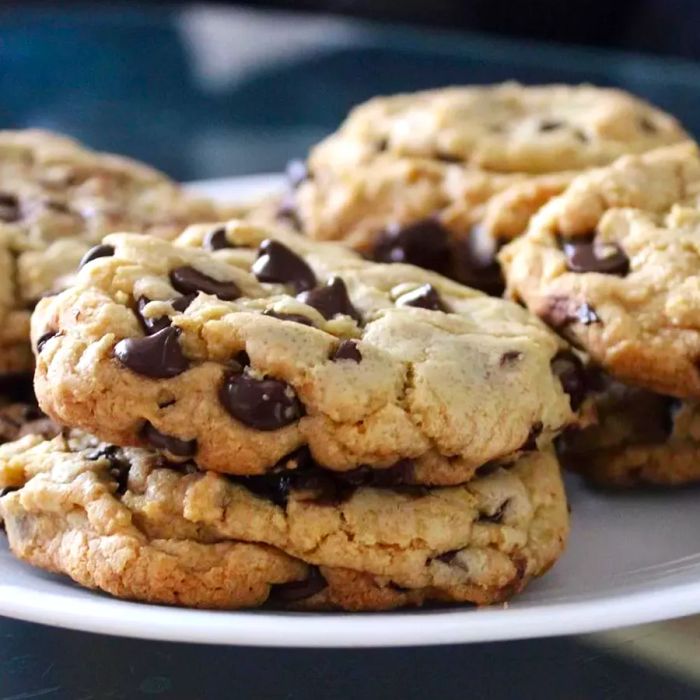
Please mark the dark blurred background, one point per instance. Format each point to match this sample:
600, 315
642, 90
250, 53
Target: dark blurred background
214, 90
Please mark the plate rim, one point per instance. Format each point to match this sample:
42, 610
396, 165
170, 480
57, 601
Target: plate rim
98, 613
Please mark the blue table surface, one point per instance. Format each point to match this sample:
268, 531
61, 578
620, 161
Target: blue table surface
208, 92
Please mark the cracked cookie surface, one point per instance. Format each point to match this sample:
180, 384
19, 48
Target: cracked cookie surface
239, 353
57, 199
442, 178
613, 265
129, 522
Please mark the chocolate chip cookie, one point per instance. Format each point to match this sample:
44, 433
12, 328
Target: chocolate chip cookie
57, 199
136, 525
639, 438
442, 178
238, 353
613, 265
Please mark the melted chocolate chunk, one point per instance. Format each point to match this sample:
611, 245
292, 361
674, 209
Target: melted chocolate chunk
475, 264
263, 404
347, 350
43, 339
161, 441
217, 240
296, 172
187, 280
530, 444
331, 300
278, 264
158, 355
9, 208
425, 297
294, 591
497, 516
583, 254
150, 324
572, 375
298, 472
118, 466
182, 303
425, 243
99, 251
294, 318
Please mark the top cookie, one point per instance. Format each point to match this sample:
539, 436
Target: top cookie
240, 353
440, 178
57, 199
614, 264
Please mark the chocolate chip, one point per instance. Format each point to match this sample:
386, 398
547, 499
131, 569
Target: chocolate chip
475, 264
263, 404
175, 446
560, 311
45, 339
296, 172
497, 515
530, 444
150, 324
645, 124
444, 157
158, 355
331, 300
118, 466
510, 357
277, 263
217, 240
294, 318
572, 375
242, 359
182, 303
8, 489
550, 125
584, 254
425, 243
425, 297
188, 280
9, 208
581, 135
586, 315
347, 350
294, 591
381, 145
99, 251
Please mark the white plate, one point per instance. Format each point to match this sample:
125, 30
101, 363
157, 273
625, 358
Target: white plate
633, 558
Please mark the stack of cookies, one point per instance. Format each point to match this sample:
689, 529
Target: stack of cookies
249, 413
253, 415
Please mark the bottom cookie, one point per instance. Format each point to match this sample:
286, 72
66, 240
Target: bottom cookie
639, 438
129, 523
